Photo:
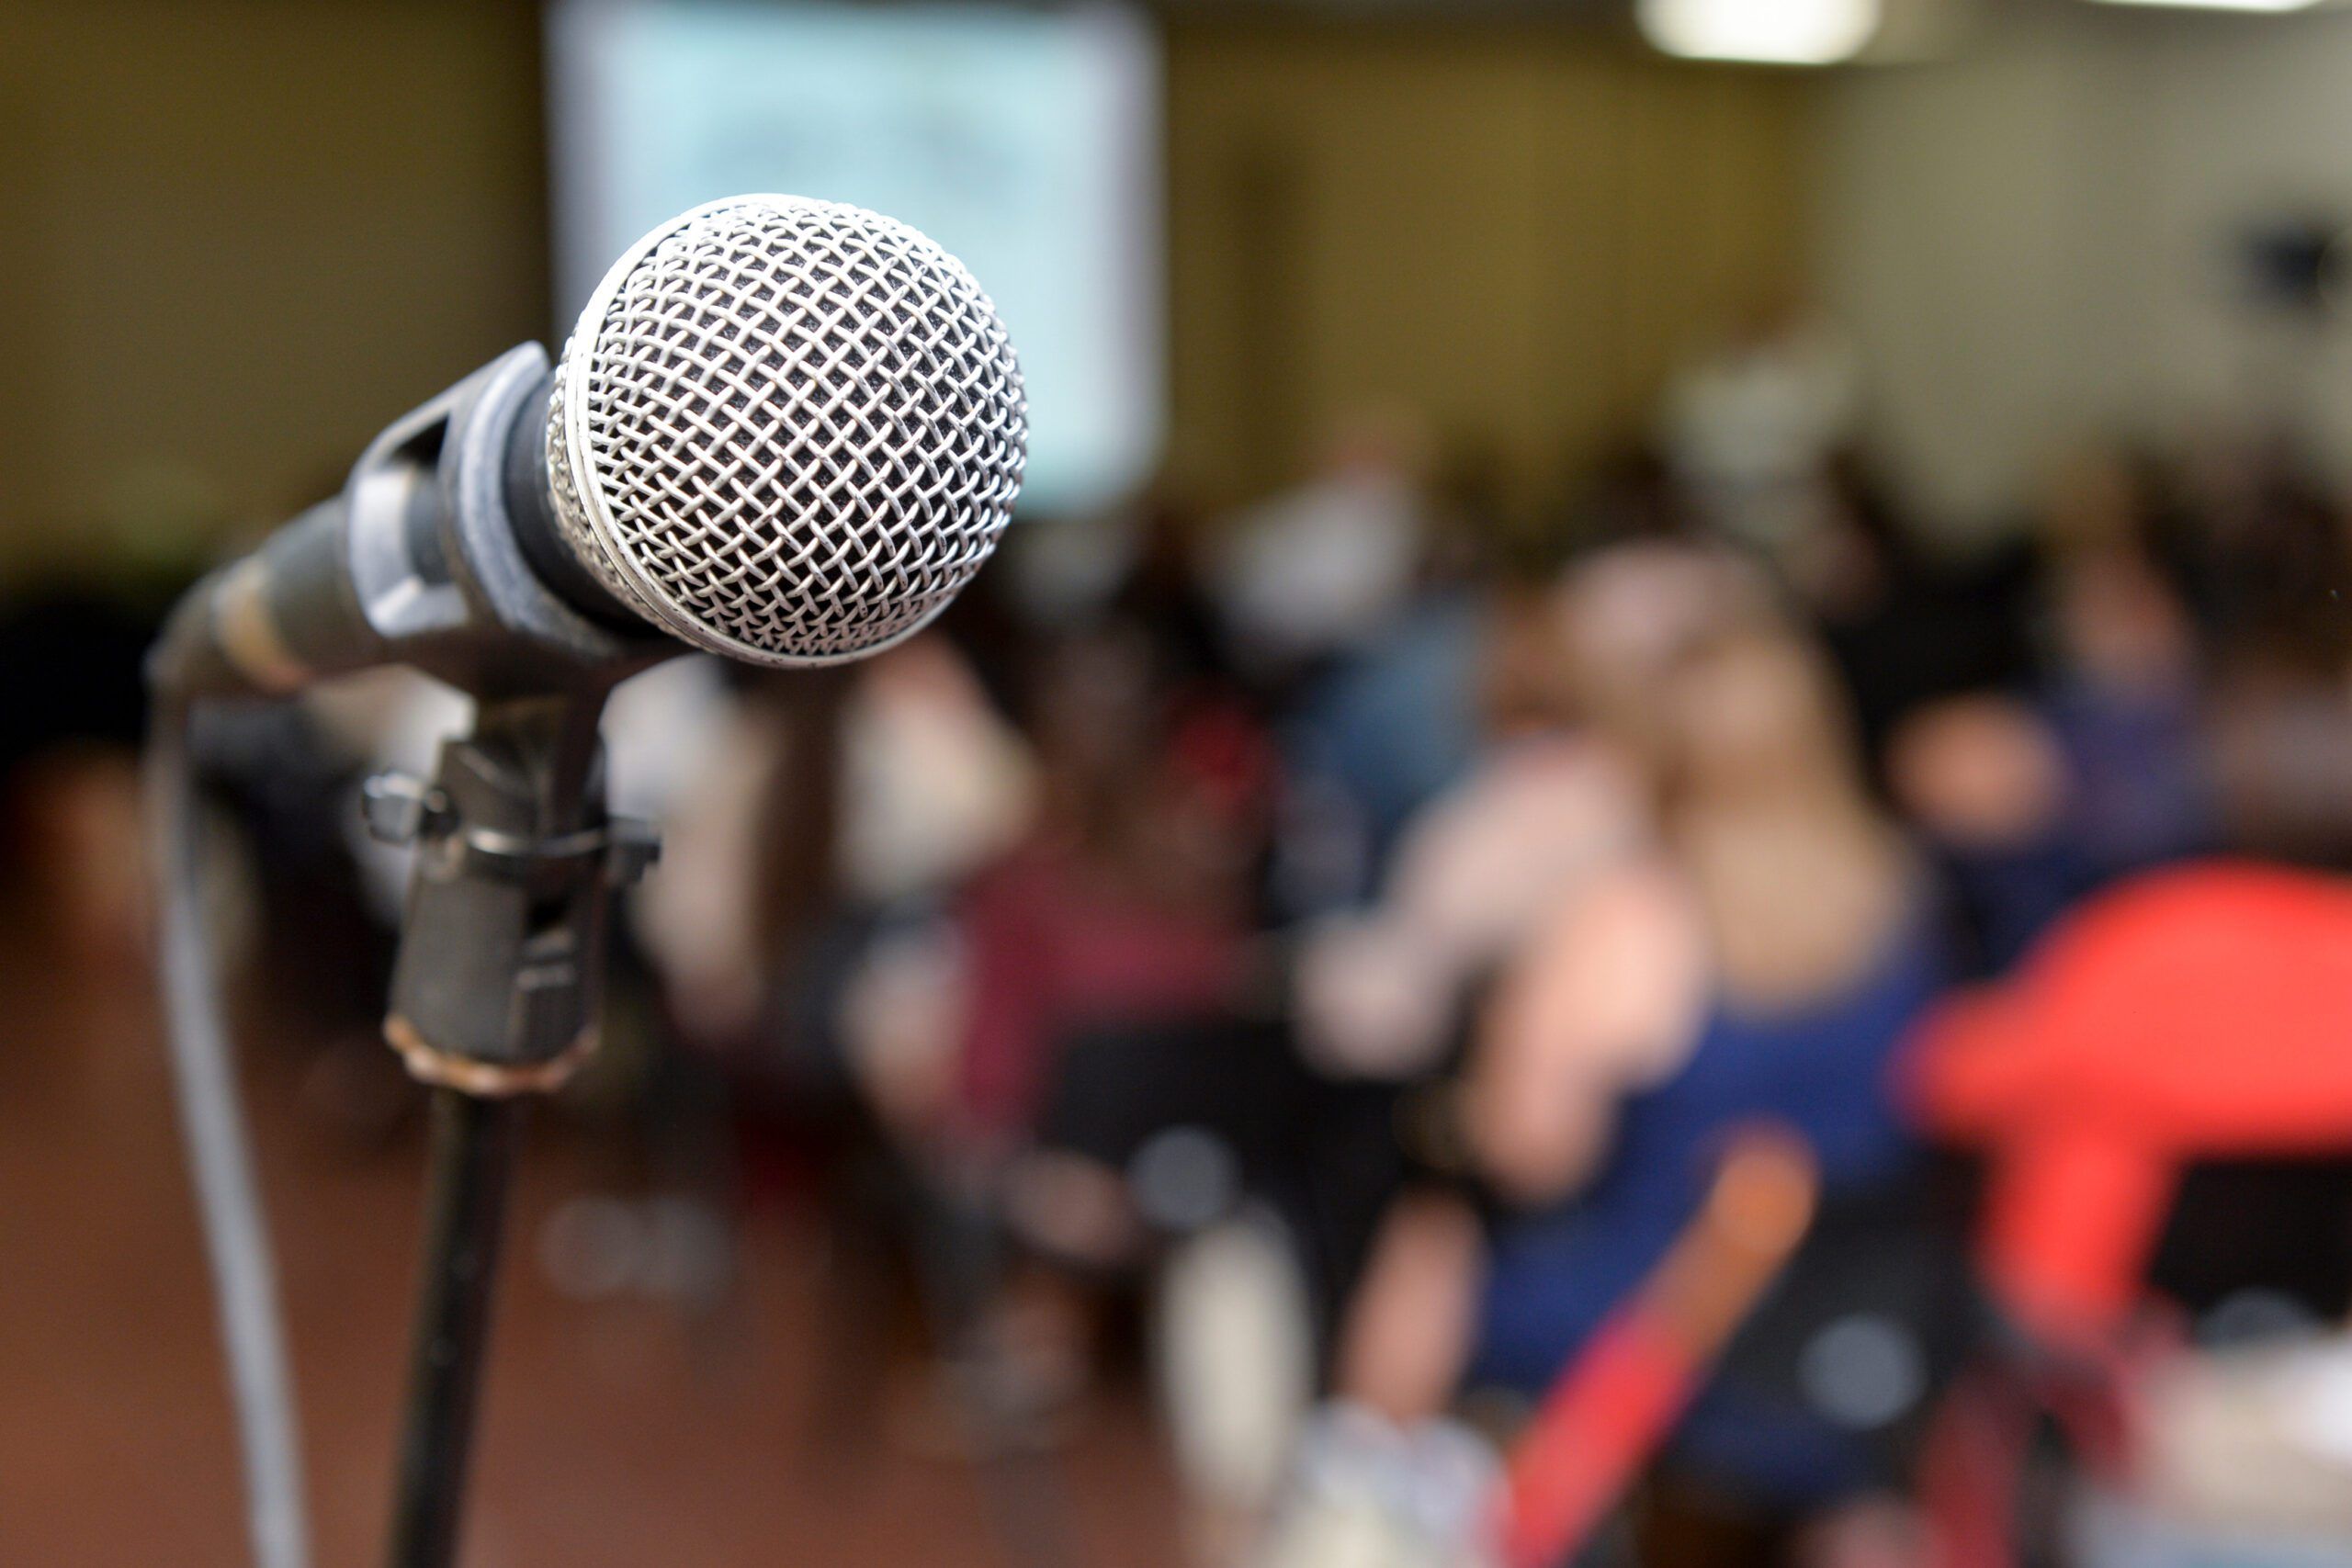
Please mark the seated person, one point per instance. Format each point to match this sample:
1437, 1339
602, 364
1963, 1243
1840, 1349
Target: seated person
1555, 796
2104, 767
1070, 991
1761, 964
1122, 902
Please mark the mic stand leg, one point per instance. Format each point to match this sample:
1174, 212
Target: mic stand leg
472, 1156
495, 996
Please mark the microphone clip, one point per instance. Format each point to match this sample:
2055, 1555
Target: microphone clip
497, 982
402, 810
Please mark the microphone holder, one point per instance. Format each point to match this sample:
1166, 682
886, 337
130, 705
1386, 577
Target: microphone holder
494, 998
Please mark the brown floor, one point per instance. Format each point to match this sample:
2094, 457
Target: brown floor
612, 1435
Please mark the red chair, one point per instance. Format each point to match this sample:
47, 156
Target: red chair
2188, 1015
2191, 1014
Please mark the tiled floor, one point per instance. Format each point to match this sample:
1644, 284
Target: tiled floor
612, 1435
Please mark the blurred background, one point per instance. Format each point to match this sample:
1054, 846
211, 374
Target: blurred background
1638, 856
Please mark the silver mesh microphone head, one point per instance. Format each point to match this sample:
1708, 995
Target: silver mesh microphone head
788, 431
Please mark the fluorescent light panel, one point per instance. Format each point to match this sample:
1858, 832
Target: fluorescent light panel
1773, 32
2219, 4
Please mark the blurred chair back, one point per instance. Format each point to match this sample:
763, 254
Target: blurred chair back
2162, 1101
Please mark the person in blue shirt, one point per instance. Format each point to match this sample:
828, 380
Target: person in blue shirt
1761, 963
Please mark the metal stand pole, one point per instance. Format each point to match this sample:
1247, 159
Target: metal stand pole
472, 1157
495, 996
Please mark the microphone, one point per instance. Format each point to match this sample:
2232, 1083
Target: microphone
783, 430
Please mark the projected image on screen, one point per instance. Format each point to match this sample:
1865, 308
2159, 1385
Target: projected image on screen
1023, 140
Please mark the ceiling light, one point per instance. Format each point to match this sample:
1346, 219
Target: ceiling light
1776, 32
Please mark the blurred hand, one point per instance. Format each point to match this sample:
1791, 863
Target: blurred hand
1370, 1004
1607, 998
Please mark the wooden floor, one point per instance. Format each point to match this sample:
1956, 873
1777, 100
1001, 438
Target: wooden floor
612, 1435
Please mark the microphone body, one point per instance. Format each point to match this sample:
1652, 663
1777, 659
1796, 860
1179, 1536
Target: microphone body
442, 552
785, 431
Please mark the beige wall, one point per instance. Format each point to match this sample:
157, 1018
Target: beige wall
2034, 239
237, 236
1517, 230
241, 235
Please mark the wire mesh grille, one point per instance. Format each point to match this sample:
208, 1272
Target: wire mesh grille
789, 431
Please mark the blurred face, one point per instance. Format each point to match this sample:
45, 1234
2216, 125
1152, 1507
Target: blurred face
2122, 624
1630, 616
1747, 711
1980, 771
1527, 665
1091, 709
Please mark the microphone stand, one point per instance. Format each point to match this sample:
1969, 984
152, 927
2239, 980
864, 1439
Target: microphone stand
493, 999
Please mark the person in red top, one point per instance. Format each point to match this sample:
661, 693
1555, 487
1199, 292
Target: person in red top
1126, 904
1058, 938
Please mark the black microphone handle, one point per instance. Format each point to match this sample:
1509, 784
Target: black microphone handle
270, 622
451, 516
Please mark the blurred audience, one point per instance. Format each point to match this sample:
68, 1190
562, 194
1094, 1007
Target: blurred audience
1750, 429
1447, 912
1756, 959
